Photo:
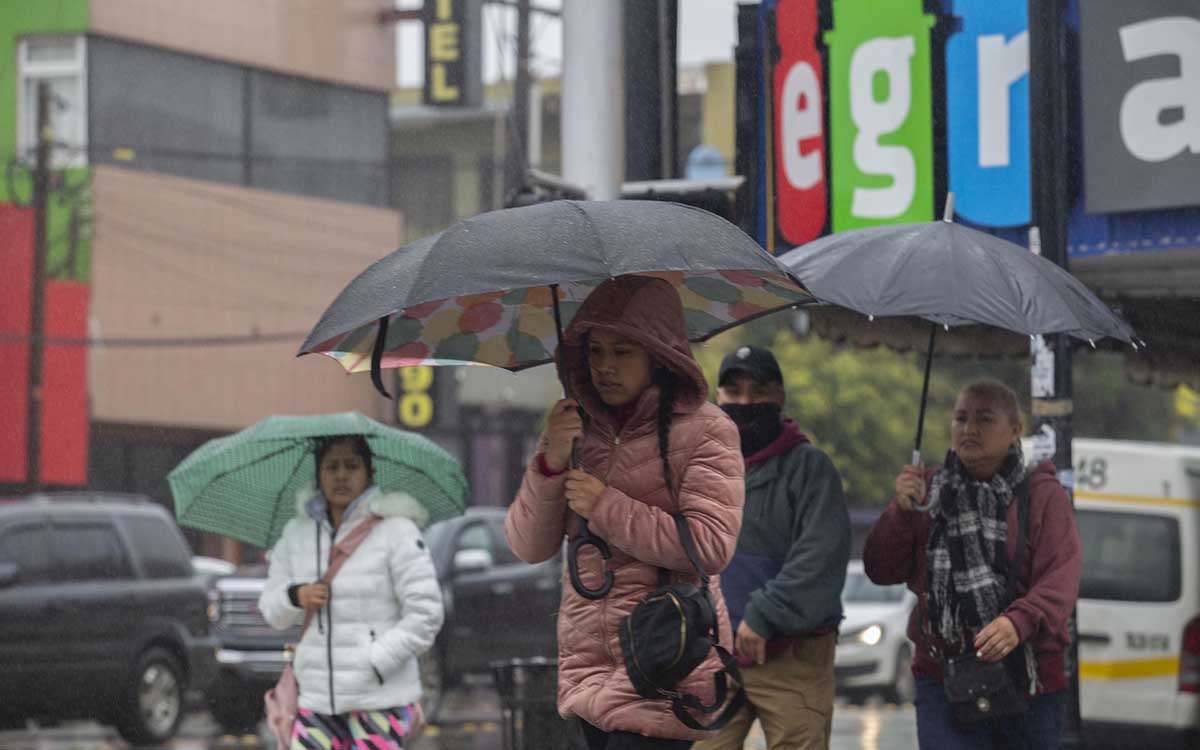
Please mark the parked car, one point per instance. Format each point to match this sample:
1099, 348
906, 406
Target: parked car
101, 615
496, 607
873, 651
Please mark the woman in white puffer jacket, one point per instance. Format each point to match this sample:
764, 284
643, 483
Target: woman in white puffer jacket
356, 664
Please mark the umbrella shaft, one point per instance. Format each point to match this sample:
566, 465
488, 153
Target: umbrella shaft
925, 391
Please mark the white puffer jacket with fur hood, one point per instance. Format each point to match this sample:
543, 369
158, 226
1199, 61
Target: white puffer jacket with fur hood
385, 607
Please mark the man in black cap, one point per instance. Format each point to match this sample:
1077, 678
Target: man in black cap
783, 587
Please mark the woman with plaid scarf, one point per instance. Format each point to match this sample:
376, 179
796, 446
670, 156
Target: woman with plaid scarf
955, 556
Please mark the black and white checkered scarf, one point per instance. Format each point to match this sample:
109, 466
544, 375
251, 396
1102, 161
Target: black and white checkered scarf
968, 564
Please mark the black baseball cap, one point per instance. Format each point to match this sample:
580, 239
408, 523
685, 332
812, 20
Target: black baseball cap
760, 364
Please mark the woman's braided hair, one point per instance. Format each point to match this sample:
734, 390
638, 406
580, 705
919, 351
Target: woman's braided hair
668, 384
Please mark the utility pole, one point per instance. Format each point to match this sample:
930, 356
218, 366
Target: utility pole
41, 190
1050, 169
593, 97
518, 146
651, 122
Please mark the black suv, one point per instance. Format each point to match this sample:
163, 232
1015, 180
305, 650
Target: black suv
101, 616
497, 607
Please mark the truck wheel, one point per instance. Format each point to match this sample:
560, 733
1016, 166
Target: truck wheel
236, 707
152, 705
433, 684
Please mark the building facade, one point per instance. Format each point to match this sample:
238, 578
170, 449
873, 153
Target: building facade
220, 173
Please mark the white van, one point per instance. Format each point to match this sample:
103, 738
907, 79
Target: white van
1138, 508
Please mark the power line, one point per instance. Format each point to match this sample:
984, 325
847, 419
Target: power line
191, 342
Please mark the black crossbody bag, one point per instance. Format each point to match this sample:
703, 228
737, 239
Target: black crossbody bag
669, 634
980, 691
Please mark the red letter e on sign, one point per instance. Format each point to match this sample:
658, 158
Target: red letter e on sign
800, 123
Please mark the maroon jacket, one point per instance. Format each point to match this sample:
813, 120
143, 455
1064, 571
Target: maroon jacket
1048, 585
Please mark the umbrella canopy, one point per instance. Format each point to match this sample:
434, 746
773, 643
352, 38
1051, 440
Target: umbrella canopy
245, 485
951, 275
485, 291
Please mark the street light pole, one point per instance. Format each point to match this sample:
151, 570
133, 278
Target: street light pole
593, 97
41, 189
1050, 169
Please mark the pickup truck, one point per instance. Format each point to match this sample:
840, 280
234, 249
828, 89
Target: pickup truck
497, 607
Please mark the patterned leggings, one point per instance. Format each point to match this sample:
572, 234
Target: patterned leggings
356, 730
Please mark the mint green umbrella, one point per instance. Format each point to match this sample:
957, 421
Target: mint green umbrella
246, 485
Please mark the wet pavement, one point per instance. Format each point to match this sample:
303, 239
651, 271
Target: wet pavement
469, 720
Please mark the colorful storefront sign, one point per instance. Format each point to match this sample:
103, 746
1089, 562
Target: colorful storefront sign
1141, 82
923, 96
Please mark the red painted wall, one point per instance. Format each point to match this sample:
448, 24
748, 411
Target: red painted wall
64, 426
64, 417
16, 271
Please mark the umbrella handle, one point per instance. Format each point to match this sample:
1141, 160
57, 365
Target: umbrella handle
916, 504
587, 538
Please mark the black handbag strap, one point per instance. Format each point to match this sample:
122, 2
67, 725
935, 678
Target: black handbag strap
682, 702
688, 542
689, 547
1014, 568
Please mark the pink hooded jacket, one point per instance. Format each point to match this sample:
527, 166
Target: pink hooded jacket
632, 514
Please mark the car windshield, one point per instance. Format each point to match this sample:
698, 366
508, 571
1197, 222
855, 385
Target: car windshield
860, 590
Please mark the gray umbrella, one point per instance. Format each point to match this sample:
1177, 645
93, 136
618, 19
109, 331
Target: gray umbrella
951, 275
499, 288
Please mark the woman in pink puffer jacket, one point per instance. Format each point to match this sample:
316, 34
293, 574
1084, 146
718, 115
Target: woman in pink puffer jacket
648, 422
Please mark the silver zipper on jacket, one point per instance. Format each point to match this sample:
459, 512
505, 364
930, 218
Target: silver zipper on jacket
373, 669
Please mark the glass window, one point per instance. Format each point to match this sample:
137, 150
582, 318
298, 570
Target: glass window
1129, 557
166, 112
160, 547
318, 139
861, 590
89, 551
424, 189
59, 62
24, 544
475, 536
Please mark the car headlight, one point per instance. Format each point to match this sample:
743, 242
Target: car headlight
870, 635
214, 606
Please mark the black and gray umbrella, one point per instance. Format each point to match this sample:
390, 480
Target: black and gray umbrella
951, 275
499, 288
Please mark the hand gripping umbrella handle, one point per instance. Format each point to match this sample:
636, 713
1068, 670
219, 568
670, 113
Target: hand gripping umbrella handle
587, 538
916, 502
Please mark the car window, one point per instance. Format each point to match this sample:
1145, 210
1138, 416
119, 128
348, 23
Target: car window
25, 545
1129, 557
475, 536
88, 551
861, 590
501, 552
162, 551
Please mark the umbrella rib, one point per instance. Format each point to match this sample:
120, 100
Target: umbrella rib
433, 479
595, 233
240, 467
282, 488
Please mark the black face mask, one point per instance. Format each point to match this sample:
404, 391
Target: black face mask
758, 424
